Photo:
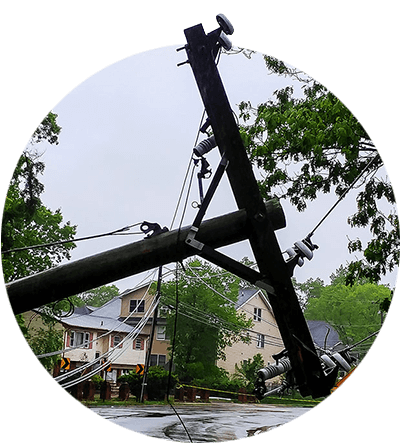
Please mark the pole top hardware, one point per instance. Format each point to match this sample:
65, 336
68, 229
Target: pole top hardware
296, 254
217, 39
154, 227
225, 24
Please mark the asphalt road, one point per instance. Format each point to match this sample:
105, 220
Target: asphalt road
205, 423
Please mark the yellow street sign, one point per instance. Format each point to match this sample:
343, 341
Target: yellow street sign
140, 369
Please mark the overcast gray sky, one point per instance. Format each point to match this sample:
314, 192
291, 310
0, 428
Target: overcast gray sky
127, 136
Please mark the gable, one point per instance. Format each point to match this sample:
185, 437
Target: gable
250, 295
134, 294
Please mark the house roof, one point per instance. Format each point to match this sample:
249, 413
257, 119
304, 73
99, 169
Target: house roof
246, 294
103, 318
323, 335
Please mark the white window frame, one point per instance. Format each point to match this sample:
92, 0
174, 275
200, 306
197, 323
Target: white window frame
161, 333
117, 343
257, 314
82, 342
261, 341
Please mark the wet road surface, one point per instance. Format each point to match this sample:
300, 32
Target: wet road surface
205, 423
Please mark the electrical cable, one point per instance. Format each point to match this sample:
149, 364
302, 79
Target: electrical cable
50, 354
343, 195
74, 240
172, 351
227, 299
132, 335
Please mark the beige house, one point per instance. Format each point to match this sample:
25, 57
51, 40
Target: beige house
117, 330
120, 331
265, 338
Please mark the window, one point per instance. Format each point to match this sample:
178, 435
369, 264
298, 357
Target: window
137, 305
161, 333
261, 341
157, 360
80, 339
257, 314
115, 341
139, 344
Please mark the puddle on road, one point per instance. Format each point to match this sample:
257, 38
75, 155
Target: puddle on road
204, 423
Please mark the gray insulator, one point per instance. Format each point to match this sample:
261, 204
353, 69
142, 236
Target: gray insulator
272, 371
205, 146
328, 361
341, 362
304, 249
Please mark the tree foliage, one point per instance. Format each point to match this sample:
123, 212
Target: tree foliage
26, 221
354, 312
247, 371
310, 144
44, 340
206, 323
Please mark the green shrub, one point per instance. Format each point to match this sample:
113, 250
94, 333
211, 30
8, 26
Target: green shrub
98, 380
156, 383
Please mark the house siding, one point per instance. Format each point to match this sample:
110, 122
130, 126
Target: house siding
240, 351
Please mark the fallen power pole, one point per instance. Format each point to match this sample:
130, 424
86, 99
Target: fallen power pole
107, 267
255, 221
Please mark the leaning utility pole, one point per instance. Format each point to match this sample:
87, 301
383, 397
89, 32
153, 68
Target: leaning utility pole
255, 221
275, 274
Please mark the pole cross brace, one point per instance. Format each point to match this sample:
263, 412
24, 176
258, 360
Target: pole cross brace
211, 254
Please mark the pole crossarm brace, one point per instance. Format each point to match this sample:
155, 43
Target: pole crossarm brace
273, 270
106, 267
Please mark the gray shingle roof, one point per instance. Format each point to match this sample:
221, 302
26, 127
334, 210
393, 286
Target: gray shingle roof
319, 330
103, 318
244, 295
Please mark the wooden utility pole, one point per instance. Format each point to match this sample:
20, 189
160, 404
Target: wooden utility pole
107, 267
275, 272
144, 389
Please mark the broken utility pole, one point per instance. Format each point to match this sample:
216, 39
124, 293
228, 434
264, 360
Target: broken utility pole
275, 273
255, 221
107, 267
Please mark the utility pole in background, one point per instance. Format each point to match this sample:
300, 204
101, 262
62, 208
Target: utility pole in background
152, 336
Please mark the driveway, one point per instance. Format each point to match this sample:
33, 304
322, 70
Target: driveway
204, 422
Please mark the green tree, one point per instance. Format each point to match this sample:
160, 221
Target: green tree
96, 297
310, 289
247, 371
46, 339
26, 221
206, 323
354, 311
311, 144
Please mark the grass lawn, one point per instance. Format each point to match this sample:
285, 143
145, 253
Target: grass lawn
293, 401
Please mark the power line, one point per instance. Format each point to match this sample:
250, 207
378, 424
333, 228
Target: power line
120, 231
61, 351
343, 195
130, 336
